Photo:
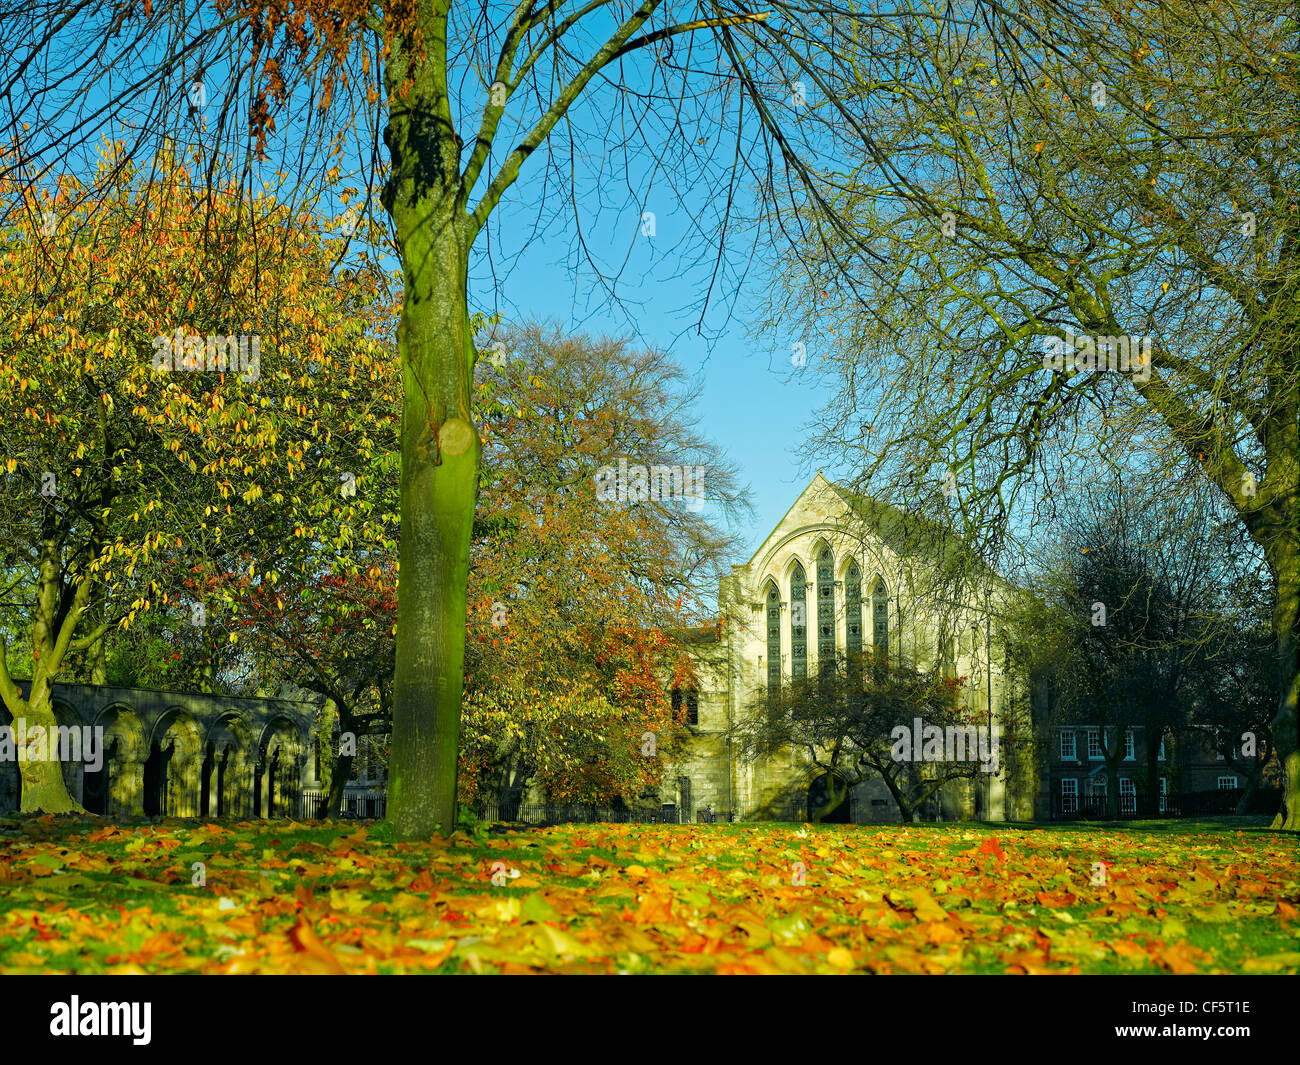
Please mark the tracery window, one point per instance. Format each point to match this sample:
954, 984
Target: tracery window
798, 623
880, 620
825, 608
773, 638
853, 610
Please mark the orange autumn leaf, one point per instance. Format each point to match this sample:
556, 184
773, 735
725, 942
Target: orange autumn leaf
305, 939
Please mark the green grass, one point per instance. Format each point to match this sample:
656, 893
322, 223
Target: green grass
1212, 895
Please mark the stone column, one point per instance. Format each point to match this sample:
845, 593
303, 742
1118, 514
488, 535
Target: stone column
300, 779
187, 770
126, 788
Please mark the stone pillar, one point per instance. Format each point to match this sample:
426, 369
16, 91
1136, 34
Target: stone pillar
182, 783
126, 788
301, 764
243, 777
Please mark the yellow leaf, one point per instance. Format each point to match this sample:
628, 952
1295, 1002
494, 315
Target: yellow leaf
555, 942
1288, 959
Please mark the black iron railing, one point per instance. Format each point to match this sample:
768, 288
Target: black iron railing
1148, 807
366, 804
574, 813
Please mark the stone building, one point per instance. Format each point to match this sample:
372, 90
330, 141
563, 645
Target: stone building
843, 574
179, 754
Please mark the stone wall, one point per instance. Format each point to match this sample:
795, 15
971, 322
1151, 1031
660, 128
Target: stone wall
180, 754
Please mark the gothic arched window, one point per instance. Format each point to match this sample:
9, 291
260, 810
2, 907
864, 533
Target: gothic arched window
880, 620
798, 623
773, 638
825, 608
853, 610
689, 698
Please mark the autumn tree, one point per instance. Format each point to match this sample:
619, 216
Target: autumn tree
683, 102
1235, 704
331, 633
155, 427
1074, 244
846, 719
577, 596
1144, 619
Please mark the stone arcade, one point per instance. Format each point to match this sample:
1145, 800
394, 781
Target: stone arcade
181, 755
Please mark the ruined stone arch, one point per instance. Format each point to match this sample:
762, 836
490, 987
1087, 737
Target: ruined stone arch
173, 765
11, 782
281, 751
230, 756
118, 788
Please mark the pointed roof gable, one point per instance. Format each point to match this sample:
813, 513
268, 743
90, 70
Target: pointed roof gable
904, 534
819, 488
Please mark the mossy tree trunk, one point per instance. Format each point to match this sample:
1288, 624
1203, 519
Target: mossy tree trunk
440, 445
1286, 627
59, 608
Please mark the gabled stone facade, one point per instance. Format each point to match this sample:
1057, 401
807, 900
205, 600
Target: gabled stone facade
834, 543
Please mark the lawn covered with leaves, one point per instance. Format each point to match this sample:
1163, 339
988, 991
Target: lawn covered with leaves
279, 897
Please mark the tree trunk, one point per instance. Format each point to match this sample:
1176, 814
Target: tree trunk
339, 776
1248, 794
1277, 529
834, 796
1286, 725
339, 765
44, 790
99, 661
439, 486
42, 781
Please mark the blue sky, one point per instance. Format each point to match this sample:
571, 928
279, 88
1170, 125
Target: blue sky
752, 402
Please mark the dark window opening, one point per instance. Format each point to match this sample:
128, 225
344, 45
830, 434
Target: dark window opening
689, 698
825, 608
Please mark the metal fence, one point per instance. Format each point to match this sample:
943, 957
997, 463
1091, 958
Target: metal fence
1150, 807
574, 813
578, 813
361, 803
